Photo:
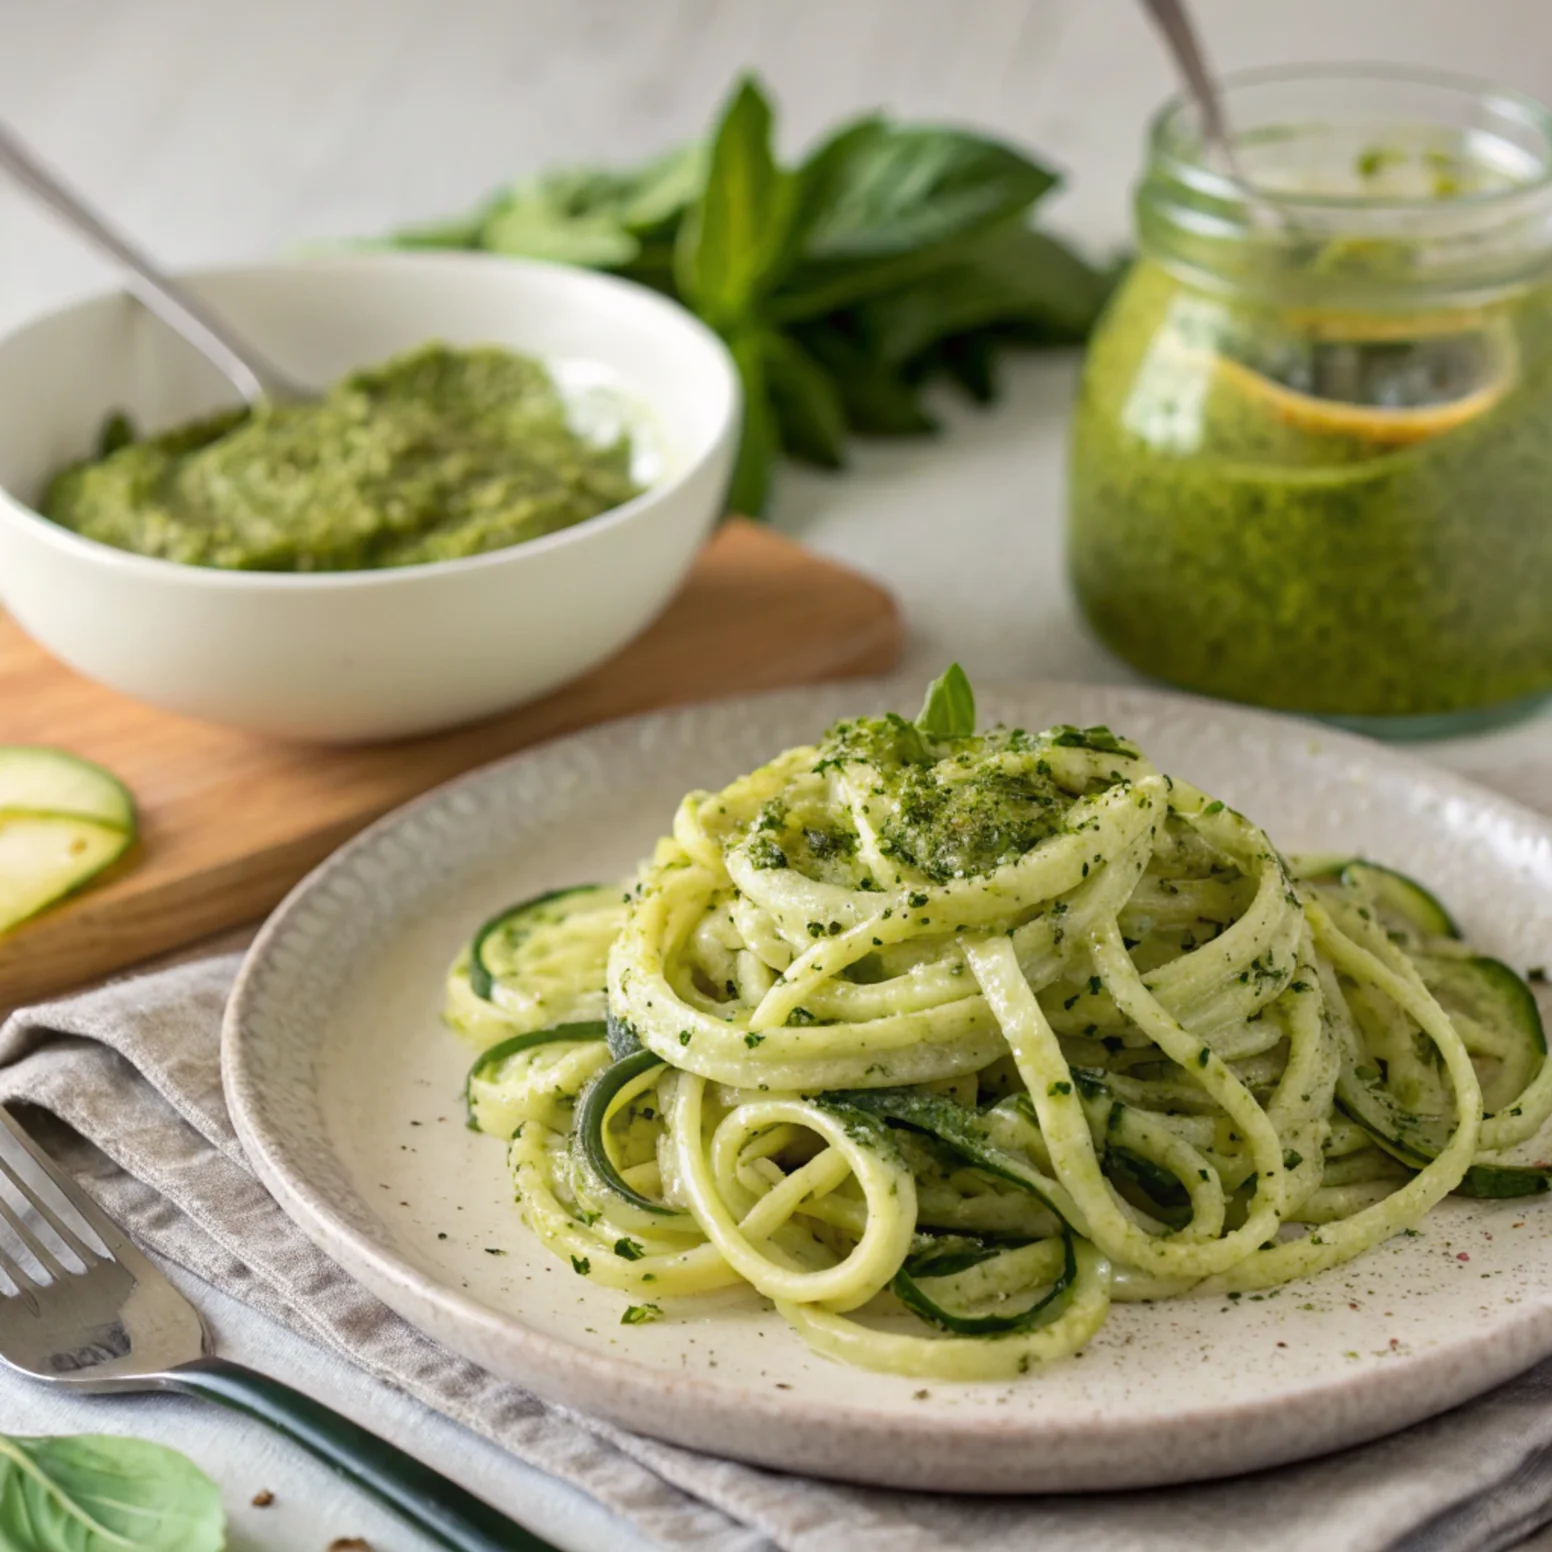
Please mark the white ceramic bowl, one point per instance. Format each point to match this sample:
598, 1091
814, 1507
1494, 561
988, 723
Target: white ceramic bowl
371, 654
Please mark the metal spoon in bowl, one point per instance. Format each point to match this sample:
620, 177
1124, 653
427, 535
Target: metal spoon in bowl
248, 370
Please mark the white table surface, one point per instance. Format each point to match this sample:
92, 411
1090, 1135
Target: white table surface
217, 129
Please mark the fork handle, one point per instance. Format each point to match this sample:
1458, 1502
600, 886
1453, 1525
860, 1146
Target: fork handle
424, 1498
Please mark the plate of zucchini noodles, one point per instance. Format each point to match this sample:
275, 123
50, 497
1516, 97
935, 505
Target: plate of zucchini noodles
1090, 1088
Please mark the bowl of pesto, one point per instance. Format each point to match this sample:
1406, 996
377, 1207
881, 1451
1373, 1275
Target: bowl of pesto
505, 474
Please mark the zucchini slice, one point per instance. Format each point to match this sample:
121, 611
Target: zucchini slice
537, 964
533, 1077
1416, 1140
1486, 999
50, 781
1400, 901
946, 1270
1497, 1181
960, 1130
596, 1171
44, 857
1497, 1016
953, 1125
1141, 1182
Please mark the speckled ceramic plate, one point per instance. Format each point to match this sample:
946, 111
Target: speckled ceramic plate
345, 1090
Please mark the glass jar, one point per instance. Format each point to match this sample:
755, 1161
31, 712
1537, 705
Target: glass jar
1312, 455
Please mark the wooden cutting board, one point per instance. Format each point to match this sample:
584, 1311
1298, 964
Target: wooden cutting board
230, 821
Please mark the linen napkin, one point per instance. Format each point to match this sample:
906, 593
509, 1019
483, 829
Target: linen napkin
132, 1072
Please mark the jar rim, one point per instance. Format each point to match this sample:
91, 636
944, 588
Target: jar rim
1169, 126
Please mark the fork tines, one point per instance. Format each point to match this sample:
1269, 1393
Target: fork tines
35, 1246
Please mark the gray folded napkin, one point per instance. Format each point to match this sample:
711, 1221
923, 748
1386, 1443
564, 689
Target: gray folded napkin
132, 1071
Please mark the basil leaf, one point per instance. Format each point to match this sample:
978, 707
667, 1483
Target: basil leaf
875, 397
102, 1493
456, 232
971, 360
757, 442
1014, 276
653, 266
898, 187
809, 414
886, 203
590, 216
735, 239
665, 188
643, 200
949, 710
535, 226
826, 174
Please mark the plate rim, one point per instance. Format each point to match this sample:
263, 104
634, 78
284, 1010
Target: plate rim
1480, 1361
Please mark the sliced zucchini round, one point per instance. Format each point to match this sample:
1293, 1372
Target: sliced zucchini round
1416, 1140
51, 781
1399, 901
1500, 1023
44, 857
537, 964
1497, 1016
535, 1076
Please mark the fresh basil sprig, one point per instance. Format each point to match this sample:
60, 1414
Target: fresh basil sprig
103, 1493
891, 255
949, 710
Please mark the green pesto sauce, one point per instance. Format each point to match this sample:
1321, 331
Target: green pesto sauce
435, 455
960, 807
1215, 545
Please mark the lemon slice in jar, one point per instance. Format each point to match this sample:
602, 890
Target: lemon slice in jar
1385, 389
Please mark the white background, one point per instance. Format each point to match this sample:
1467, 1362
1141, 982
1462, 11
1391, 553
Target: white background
217, 129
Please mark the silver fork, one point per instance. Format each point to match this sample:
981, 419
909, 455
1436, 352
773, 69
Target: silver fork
117, 1324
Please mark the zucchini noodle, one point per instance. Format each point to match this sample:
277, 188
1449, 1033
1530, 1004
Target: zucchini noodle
942, 1041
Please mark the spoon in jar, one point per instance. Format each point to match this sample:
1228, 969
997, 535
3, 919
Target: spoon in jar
248, 370
1179, 32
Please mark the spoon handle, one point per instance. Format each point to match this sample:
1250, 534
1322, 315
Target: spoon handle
1173, 20
248, 371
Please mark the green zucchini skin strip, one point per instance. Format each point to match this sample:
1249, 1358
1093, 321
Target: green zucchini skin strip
939, 1261
1154, 1184
1497, 1182
950, 1123
591, 1029
911, 1294
481, 982
590, 1127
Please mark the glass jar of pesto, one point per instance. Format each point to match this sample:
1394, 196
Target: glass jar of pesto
1312, 454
